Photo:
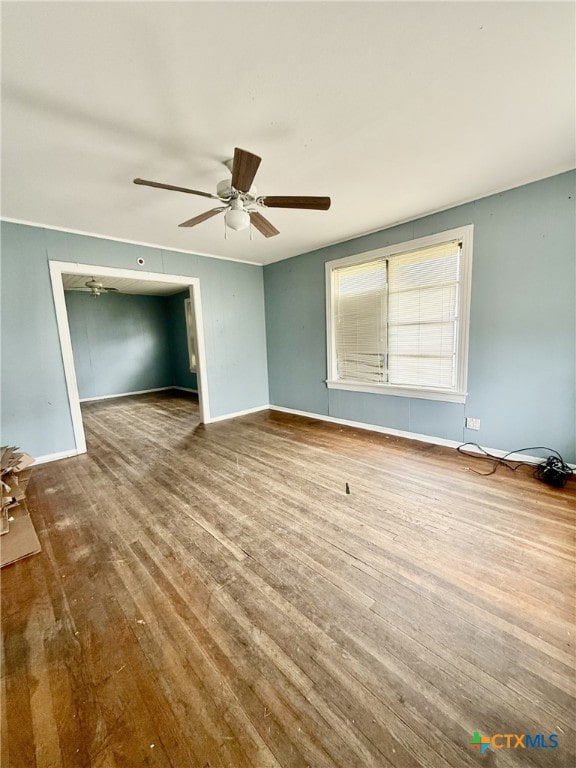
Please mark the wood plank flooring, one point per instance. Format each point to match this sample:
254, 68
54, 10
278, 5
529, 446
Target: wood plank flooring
210, 597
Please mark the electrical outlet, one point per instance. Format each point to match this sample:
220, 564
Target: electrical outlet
472, 423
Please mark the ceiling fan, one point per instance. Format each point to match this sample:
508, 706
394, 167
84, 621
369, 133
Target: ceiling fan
240, 198
96, 288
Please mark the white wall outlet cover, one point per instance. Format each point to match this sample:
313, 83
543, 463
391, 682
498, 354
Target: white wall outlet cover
472, 423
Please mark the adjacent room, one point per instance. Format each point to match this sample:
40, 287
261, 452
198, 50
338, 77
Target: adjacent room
288, 387
129, 340
123, 337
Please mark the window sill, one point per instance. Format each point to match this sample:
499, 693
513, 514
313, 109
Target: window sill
448, 396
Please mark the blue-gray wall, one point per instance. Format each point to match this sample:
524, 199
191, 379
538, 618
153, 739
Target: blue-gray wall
522, 368
180, 361
121, 342
522, 334
35, 410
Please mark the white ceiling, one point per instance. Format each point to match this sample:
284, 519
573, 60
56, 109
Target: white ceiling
122, 284
393, 109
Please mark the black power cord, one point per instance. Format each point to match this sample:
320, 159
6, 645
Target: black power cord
552, 471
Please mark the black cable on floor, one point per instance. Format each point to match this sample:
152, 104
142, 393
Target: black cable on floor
552, 470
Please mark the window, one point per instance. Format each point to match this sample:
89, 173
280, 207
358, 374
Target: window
398, 318
190, 334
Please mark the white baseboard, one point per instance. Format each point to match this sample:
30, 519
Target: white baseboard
123, 394
47, 457
370, 427
411, 435
238, 413
136, 392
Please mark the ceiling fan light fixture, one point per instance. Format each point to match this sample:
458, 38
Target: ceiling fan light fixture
237, 218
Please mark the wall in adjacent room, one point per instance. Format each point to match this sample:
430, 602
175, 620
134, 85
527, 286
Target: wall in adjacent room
522, 367
182, 376
121, 342
35, 409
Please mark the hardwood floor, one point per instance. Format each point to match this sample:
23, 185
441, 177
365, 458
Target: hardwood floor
210, 596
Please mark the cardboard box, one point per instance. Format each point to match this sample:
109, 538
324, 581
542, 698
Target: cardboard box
21, 541
13, 460
18, 537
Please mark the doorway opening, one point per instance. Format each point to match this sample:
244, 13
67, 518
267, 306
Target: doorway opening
183, 297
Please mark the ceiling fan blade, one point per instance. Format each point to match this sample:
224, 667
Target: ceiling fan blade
244, 169
311, 203
109, 290
263, 225
174, 189
202, 217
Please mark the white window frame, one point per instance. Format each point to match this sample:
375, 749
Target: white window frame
458, 393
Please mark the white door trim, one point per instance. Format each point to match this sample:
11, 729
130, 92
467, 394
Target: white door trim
57, 269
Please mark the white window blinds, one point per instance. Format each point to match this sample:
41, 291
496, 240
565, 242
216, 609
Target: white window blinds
360, 338
422, 316
396, 318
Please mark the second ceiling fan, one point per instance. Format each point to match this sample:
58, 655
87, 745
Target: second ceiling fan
240, 199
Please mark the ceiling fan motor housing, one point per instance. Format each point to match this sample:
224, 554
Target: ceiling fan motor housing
223, 188
225, 191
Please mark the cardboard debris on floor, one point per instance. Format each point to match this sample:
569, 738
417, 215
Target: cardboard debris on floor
13, 460
20, 542
18, 538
